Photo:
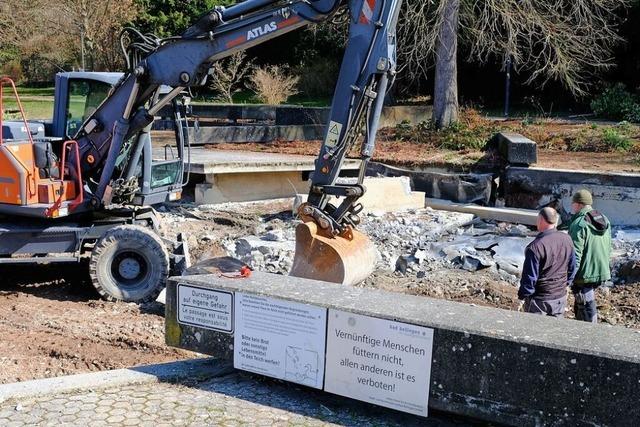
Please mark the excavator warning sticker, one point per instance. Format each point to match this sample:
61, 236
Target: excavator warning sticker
333, 136
205, 308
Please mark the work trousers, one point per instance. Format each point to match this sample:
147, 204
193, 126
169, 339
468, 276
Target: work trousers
585, 305
554, 308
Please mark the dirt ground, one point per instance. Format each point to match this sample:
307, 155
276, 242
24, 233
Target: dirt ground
413, 155
52, 323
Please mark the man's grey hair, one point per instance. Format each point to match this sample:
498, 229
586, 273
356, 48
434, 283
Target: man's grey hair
550, 216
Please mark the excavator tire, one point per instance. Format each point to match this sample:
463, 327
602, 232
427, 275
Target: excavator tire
129, 263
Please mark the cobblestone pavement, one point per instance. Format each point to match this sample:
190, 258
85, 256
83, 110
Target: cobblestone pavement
235, 400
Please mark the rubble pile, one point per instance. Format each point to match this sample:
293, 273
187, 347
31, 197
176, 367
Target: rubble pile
626, 256
410, 243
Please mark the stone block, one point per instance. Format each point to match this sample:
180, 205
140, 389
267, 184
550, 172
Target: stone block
489, 364
391, 195
248, 187
517, 149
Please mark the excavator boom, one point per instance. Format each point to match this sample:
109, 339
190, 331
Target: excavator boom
329, 247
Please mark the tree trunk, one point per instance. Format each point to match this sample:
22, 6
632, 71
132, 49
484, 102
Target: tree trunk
445, 96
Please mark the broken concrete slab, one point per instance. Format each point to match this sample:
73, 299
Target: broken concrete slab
617, 195
391, 195
385, 195
487, 363
516, 216
249, 187
509, 253
439, 184
517, 149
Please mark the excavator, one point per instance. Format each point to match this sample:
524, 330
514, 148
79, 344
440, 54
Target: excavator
90, 195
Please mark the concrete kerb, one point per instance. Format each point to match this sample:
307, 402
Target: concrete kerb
488, 364
198, 369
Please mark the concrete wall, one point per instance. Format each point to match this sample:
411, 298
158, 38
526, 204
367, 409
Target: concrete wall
616, 195
494, 365
383, 194
266, 123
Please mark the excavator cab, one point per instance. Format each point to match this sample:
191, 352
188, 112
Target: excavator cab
35, 180
152, 174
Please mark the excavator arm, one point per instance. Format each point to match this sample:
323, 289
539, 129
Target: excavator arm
369, 66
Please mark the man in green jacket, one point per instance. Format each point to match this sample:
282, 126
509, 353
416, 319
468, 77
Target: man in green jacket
591, 234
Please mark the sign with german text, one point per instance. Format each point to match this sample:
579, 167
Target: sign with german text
205, 308
280, 339
379, 361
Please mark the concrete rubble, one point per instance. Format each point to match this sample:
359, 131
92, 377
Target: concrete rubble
411, 244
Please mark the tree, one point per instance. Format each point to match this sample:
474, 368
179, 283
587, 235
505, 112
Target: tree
166, 18
445, 105
97, 24
564, 40
50, 36
228, 74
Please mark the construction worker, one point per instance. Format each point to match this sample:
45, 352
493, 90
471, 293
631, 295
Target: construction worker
549, 268
591, 234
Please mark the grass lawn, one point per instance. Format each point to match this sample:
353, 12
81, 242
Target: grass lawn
37, 103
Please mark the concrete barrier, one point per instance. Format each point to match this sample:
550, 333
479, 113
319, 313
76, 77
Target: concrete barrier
489, 364
617, 195
245, 134
266, 123
517, 149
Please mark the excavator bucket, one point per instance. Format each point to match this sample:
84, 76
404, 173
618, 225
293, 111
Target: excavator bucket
346, 259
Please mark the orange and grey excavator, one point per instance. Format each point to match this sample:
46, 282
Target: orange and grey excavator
88, 195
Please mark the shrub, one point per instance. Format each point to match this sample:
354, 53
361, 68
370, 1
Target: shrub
273, 84
613, 139
13, 70
616, 103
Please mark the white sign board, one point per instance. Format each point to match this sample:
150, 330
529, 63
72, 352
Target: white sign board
205, 308
379, 361
280, 339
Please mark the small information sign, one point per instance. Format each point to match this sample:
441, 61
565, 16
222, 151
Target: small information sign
205, 308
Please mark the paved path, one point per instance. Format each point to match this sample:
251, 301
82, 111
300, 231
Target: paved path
234, 400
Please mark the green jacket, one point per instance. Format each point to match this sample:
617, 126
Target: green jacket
591, 235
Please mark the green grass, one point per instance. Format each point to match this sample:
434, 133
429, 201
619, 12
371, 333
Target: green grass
34, 109
35, 91
37, 102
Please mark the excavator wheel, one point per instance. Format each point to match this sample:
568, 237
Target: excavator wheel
129, 263
347, 259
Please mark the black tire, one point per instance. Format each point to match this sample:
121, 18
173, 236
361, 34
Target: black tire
129, 263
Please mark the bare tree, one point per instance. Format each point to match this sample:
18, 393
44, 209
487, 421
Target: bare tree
96, 24
227, 75
563, 40
59, 31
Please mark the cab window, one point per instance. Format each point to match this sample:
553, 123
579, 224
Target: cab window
85, 96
